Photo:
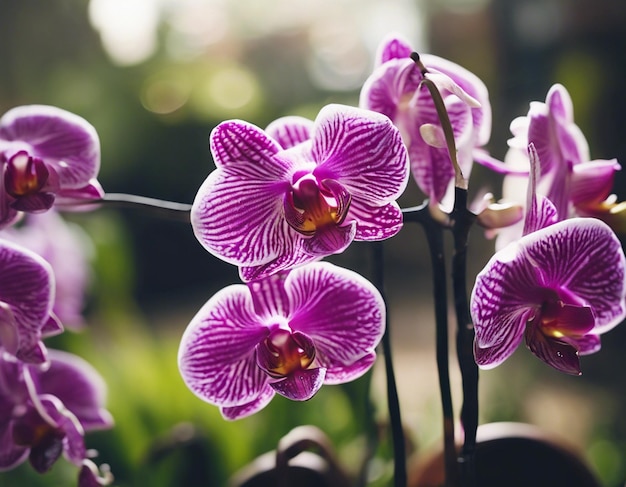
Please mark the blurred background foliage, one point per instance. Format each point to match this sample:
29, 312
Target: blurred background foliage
155, 76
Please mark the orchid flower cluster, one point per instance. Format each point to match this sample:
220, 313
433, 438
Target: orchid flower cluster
279, 201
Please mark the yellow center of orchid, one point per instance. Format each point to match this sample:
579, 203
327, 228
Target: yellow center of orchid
313, 206
283, 352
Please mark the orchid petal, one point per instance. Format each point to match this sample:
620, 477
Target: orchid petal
290, 131
269, 297
354, 327
340, 374
363, 151
63, 140
490, 357
584, 256
587, 344
237, 412
78, 385
216, 355
301, 385
556, 353
330, 240
390, 87
91, 476
237, 214
592, 181
394, 47
27, 288
376, 223
296, 257
540, 212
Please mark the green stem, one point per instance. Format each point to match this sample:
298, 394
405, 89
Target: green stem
393, 404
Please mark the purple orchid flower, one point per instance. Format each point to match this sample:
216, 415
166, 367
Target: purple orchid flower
575, 184
26, 299
287, 334
47, 155
45, 413
273, 205
66, 248
559, 288
394, 89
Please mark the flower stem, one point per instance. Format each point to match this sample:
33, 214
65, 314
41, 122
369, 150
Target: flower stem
462, 220
397, 433
170, 209
434, 235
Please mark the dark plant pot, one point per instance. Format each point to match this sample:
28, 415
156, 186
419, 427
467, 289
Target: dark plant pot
514, 455
304, 458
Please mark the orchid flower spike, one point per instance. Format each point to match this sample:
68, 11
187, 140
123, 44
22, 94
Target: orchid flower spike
45, 412
287, 334
272, 204
47, 155
394, 89
559, 288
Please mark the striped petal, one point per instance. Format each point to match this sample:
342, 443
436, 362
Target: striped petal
290, 131
341, 312
61, 139
237, 214
78, 385
375, 222
583, 256
216, 356
237, 412
27, 295
361, 150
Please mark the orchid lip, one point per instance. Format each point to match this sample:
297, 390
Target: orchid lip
25, 175
312, 205
284, 352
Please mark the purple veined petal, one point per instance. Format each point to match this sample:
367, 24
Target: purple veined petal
9, 334
34, 203
232, 413
330, 240
363, 151
249, 150
52, 327
241, 220
78, 386
588, 344
62, 139
470, 84
393, 47
27, 288
375, 223
504, 298
69, 197
216, 357
592, 181
340, 374
293, 258
290, 131
390, 87
540, 212
11, 455
431, 168
301, 385
269, 297
66, 248
339, 310
556, 353
583, 256
490, 357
